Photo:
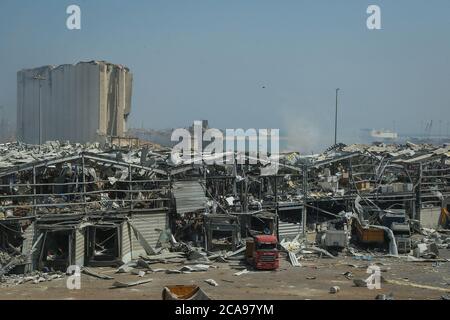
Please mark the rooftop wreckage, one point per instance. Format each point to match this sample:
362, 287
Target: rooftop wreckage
131, 206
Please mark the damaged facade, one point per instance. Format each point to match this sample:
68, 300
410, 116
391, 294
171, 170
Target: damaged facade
79, 205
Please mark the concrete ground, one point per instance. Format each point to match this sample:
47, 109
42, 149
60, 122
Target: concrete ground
405, 280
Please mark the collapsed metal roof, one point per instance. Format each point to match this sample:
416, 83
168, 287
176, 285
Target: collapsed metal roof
189, 196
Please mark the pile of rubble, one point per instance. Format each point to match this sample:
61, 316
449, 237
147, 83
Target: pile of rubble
9, 261
16, 154
33, 277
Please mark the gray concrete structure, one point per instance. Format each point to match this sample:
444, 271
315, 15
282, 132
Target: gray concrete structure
86, 102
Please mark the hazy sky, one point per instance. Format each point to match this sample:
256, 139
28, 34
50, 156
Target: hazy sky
250, 63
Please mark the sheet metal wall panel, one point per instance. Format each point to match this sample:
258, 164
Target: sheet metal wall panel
429, 217
146, 223
189, 196
79, 247
30, 236
126, 236
288, 230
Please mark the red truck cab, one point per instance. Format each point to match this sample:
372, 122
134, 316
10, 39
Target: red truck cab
262, 252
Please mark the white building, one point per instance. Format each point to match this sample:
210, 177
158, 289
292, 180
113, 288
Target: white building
86, 102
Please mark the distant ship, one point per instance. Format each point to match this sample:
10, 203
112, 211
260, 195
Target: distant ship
383, 135
373, 135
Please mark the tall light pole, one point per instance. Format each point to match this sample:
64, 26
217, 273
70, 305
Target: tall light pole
39, 78
3, 130
305, 196
335, 118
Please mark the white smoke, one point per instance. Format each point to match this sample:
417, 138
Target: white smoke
302, 134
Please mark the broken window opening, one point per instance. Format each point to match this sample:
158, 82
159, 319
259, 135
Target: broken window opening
103, 244
57, 250
221, 240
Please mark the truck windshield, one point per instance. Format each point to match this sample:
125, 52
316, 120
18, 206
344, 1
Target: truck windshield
266, 246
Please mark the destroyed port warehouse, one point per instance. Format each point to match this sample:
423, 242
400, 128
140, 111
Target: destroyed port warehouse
75, 189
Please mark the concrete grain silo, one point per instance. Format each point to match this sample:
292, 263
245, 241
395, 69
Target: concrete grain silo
86, 102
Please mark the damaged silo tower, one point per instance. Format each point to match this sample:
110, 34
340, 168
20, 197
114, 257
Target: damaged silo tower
86, 102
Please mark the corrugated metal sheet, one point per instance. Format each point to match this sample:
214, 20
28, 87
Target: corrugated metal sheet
146, 223
288, 230
30, 236
189, 196
126, 242
80, 103
429, 217
79, 247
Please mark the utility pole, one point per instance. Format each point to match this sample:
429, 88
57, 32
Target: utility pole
335, 118
2, 125
305, 196
39, 78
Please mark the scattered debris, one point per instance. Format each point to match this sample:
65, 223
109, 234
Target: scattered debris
127, 267
416, 285
389, 296
245, 271
211, 282
348, 275
118, 284
322, 251
359, 283
96, 275
335, 289
294, 260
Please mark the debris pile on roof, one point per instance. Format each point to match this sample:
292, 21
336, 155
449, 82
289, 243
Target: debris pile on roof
358, 200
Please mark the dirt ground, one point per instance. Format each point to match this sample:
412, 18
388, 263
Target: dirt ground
310, 281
